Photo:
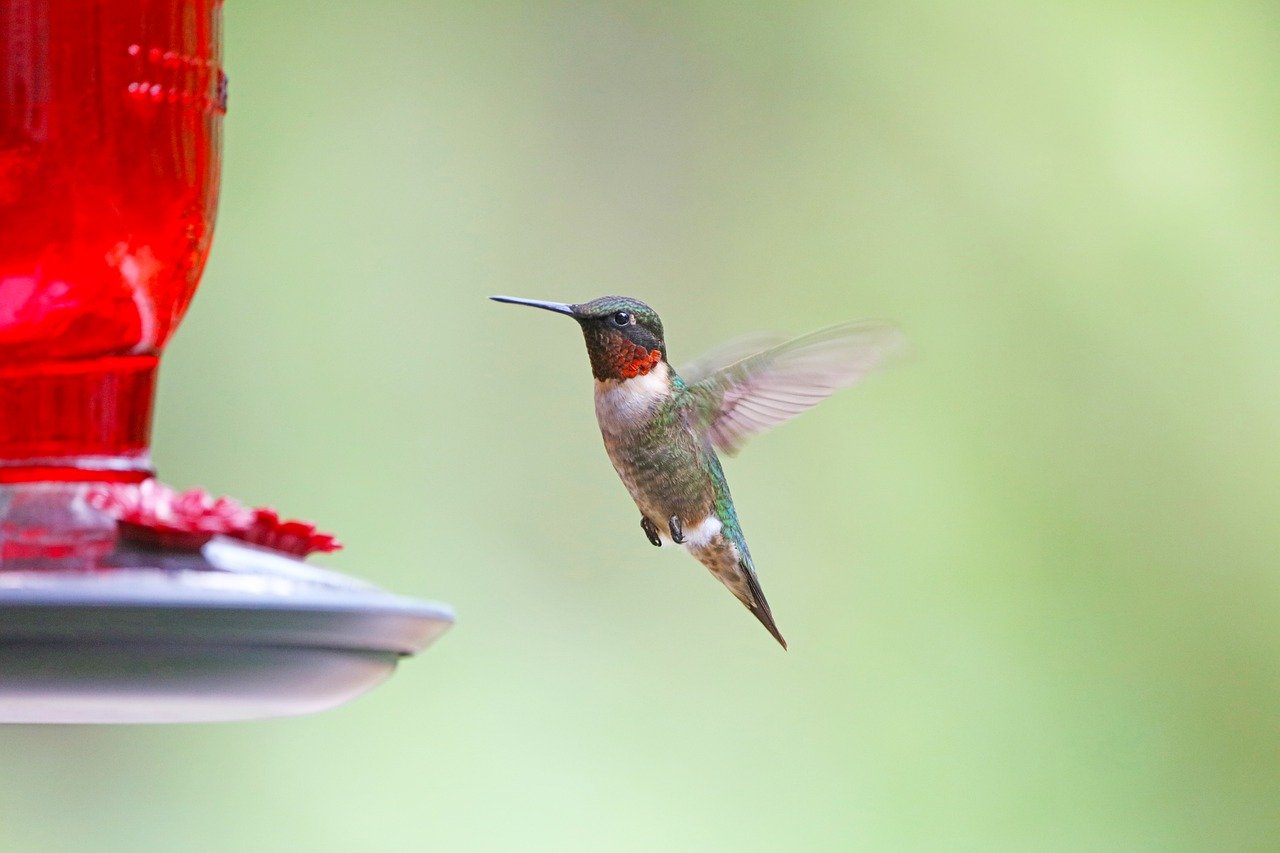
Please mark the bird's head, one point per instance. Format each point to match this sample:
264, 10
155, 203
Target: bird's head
623, 335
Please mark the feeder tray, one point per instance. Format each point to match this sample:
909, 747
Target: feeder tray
230, 632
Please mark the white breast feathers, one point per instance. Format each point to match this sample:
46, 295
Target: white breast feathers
626, 404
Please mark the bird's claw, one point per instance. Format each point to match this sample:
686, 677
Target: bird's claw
677, 529
650, 530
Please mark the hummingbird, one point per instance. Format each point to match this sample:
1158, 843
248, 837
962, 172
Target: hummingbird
662, 428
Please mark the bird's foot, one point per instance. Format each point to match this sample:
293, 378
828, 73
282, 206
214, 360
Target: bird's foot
677, 529
651, 530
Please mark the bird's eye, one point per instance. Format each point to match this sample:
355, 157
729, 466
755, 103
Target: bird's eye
622, 318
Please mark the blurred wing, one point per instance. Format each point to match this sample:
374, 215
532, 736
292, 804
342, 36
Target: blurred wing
763, 390
726, 354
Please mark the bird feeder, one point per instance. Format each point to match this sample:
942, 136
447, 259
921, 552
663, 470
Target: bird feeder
119, 600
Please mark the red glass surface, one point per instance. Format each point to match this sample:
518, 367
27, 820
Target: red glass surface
110, 134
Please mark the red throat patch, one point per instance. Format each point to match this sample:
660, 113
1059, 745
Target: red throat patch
634, 360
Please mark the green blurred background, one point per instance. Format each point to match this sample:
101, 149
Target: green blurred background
1029, 578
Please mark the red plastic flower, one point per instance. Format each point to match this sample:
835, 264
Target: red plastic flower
291, 536
153, 513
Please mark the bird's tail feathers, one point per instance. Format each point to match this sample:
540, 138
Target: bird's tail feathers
758, 606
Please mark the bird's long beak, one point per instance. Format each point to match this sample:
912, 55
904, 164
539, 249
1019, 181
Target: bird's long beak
558, 307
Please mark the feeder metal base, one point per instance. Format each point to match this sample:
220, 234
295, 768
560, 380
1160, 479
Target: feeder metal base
231, 633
